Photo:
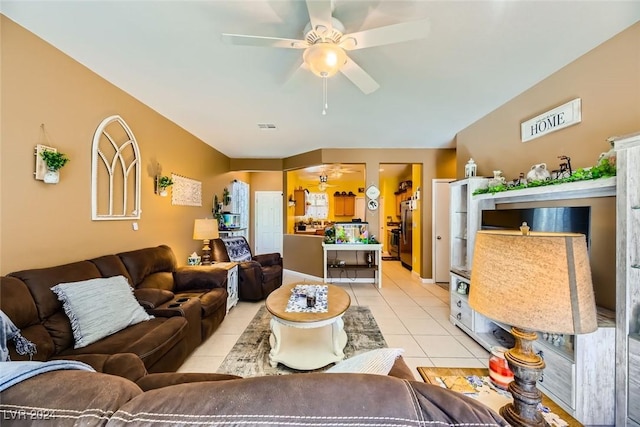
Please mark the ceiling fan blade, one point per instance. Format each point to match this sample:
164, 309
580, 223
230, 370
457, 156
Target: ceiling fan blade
320, 16
260, 41
359, 77
396, 33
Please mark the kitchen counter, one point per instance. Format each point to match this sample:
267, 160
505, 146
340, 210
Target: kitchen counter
311, 231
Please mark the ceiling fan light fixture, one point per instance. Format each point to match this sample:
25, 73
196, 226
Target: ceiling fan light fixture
324, 59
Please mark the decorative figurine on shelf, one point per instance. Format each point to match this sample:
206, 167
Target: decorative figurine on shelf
609, 156
565, 168
497, 179
470, 169
538, 172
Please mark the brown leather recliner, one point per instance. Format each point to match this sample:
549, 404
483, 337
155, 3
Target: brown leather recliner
258, 275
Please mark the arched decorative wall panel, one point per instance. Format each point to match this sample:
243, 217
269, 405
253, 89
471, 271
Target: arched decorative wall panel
115, 172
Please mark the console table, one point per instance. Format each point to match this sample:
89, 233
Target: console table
348, 260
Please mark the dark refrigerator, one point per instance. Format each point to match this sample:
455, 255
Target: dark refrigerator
406, 232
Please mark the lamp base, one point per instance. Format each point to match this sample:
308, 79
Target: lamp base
527, 368
206, 253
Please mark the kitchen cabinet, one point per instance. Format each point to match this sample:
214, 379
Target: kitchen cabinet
344, 205
300, 197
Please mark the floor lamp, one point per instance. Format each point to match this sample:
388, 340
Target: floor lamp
205, 230
532, 282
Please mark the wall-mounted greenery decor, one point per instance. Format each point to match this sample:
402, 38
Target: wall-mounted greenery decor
54, 160
162, 183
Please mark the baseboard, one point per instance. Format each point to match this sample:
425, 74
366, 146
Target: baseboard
423, 280
303, 275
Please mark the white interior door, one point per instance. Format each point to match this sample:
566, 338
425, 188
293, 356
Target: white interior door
268, 227
441, 250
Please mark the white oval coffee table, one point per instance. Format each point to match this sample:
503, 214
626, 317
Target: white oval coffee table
307, 341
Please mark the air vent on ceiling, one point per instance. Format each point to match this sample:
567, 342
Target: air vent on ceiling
266, 126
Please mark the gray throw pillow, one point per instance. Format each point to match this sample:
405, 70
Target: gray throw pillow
99, 307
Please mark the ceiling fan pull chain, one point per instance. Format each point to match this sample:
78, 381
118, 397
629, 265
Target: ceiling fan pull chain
324, 96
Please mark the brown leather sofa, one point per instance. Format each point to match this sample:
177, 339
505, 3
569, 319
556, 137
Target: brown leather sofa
258, 275
188, 304
170, 399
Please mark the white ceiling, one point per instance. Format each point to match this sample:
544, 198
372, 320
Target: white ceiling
169, 55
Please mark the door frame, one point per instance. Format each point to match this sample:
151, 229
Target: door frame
434, 207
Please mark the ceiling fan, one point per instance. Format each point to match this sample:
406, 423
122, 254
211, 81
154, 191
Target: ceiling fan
324, 182
325, 43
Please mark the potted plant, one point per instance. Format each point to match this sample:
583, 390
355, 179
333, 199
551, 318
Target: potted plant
226, 197
163, 183
54, 161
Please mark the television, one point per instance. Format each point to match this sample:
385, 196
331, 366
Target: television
574, 219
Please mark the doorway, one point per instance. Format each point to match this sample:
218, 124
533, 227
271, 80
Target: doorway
268, 226
399, 224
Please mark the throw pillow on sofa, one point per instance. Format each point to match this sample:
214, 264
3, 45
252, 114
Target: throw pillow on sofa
99, 307
379, 361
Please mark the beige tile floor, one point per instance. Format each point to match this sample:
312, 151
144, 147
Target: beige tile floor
411, 315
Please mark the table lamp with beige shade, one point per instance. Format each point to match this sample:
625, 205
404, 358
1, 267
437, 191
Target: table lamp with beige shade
532, 281
205, 230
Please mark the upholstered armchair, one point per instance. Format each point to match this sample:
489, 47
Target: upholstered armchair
258, 275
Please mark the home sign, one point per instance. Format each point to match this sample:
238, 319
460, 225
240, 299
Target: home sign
560, 117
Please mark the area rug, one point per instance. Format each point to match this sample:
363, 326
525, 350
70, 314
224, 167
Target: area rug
249, 357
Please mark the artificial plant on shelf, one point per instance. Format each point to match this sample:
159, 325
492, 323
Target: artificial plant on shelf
226, 197
605, 168
217, 209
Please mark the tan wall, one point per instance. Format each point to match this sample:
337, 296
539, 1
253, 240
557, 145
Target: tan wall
44, 225
255, 165
311, 247
607, 79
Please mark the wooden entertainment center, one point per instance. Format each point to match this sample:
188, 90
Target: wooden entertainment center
579, 374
